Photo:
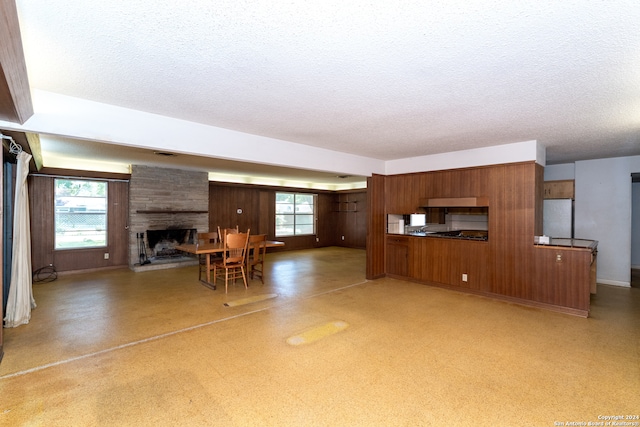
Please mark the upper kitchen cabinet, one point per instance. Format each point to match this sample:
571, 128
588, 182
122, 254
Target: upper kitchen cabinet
562, 189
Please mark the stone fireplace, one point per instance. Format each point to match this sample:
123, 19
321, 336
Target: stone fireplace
166, 207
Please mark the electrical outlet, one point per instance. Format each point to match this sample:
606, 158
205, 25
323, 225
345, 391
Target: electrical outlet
558, 257
342, 237
317, 239
464, 277
106, 255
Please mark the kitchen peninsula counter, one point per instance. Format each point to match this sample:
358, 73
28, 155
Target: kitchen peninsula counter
565, 269
585, 258
476, 235
570, 243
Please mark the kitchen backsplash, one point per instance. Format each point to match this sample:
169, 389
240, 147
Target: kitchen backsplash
398, 223
467, 222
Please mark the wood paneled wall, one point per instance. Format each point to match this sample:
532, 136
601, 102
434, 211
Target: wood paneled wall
258, 214
376, 227
350, 212
41, 209
562, 275
41, 200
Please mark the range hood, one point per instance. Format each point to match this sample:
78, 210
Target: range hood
450, 202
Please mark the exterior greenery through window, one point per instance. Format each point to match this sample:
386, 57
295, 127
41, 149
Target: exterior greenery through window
80, 214
295, 214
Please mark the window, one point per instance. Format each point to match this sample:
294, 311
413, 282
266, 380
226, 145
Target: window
295, 214
80, 214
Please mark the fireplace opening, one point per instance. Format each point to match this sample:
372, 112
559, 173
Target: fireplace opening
162, 243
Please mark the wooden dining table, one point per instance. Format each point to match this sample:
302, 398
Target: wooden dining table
214, 248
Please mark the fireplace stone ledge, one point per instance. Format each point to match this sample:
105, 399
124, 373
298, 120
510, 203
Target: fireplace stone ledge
162, 264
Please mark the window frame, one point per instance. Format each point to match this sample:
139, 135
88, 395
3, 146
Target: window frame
295, 214
105, 213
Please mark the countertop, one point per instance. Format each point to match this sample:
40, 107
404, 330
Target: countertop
556, 242
570, 243
475, 235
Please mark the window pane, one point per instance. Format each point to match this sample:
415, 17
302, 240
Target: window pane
304, 199
284, 231
295, 214
304, 209
304, 229
284, 225
285, 220
284, 197
284, 208
304, 219
80, 214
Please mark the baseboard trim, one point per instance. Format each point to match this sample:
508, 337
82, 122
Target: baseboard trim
614, 283
89, 270
579, 312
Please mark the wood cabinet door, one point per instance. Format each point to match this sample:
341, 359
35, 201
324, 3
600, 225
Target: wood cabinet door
563, 189
397, 258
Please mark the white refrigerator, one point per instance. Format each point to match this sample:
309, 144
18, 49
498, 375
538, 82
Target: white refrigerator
558, 218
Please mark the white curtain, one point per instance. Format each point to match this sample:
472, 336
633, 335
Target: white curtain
20, 301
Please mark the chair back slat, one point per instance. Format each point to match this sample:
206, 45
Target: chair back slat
210, 237
234, 258
222, 232
235, 247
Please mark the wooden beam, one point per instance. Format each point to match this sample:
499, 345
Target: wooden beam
15, 96
72, 173
33, 140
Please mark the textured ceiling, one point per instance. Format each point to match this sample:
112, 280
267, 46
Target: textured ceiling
380, 79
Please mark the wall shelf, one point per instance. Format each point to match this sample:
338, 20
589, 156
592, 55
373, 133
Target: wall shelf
346, 206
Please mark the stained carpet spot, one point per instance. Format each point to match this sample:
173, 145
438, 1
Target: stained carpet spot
317, 333
250, 300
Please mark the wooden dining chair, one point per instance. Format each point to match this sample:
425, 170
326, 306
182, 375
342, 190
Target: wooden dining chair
211, 237
234, 258
224, 231
256, 255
